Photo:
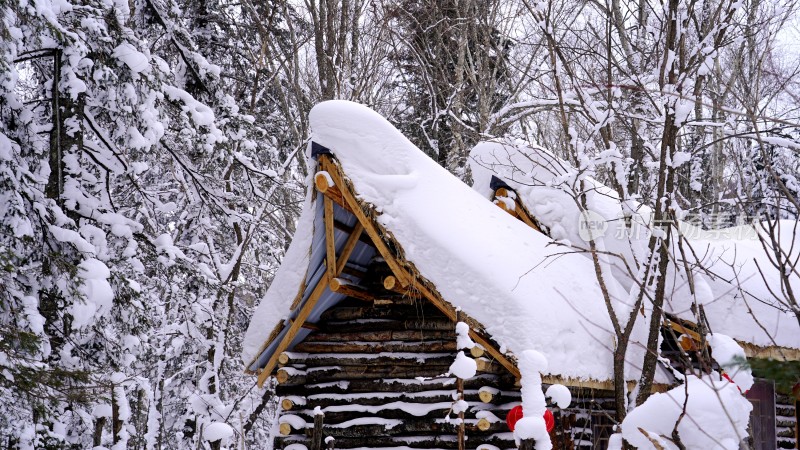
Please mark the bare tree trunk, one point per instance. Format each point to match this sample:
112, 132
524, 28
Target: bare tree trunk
97, 436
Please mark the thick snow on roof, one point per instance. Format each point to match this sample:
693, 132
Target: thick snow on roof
495, 268
724, 263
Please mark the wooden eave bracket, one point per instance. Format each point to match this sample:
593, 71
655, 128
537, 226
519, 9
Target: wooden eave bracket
333, 170
518, 211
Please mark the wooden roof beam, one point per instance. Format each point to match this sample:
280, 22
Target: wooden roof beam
399, 272
349, 246
342, 286
518, 210
330, 240
294, 328
323, 183
373, 232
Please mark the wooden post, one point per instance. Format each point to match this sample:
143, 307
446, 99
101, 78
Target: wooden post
460, 389
330, 244
316, 436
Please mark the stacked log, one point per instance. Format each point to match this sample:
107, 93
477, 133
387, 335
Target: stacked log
786, 414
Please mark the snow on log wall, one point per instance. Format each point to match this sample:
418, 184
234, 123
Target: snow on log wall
363, 370
786, 421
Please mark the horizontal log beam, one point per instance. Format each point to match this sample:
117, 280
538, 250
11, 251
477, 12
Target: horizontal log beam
395, 384
342, 286
364, 372
382, 346
419, 440
405, 427
325, 186
391, 283
285, 429
287, 404
414, 411
382, 398
423, 311
362, 359
477, 351
384, 335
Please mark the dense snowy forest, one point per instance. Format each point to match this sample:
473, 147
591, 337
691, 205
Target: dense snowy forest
152, 168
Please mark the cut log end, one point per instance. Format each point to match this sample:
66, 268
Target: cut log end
287, 404
282, 376
483, 364
283, 358
322, 182
484, 424
477, 351
285, 429
390, 282
337, 284
485, 396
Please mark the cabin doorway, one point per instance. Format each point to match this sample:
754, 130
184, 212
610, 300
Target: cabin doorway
762, 417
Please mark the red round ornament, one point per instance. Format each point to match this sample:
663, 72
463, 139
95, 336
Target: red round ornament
549, 420
513, 416
516, 413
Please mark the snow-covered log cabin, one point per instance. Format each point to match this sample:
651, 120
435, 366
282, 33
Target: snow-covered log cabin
390, 253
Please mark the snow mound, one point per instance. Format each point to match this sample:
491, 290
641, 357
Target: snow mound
463, 367
730, 356
560, 395
716, 416
217, 431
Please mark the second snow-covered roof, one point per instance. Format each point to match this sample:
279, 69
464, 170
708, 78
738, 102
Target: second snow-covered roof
732, 274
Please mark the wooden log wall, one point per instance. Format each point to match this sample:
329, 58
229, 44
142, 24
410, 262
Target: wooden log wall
588, 421
376, 373
786, 421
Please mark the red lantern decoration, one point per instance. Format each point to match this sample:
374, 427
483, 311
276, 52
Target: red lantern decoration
516, 413
725, 375
513, 416
549, 420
